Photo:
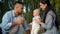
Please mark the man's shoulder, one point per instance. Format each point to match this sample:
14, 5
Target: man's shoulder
9, 11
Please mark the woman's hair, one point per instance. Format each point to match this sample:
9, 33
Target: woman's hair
45, 2
49, 7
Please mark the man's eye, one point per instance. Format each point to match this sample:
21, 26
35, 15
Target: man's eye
40, 5
16, 7
22, 8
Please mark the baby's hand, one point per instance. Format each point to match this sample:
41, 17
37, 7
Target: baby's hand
38, 21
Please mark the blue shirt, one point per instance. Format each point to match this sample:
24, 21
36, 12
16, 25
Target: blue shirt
7, 21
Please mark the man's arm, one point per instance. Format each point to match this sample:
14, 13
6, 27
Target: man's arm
25, 26
28, 32
13, 24
21, 21
6, 24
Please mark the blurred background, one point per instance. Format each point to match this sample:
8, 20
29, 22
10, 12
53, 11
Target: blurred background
29, 6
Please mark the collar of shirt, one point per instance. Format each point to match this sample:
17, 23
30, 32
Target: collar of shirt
14, 14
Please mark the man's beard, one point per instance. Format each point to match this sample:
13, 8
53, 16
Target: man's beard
19, 13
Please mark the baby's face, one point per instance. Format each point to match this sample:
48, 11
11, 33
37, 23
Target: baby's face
36, 12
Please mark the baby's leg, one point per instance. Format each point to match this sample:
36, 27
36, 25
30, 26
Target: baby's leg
32, 32
36, 31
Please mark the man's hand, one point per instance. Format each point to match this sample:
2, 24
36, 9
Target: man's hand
28, 32
21, 21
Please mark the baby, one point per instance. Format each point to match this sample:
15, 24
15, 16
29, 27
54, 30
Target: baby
35, 25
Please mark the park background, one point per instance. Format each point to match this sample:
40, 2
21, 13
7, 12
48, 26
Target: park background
29, 6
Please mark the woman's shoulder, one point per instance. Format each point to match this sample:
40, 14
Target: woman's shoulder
51, 12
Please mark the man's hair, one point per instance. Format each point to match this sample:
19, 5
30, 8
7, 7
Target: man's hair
18, 2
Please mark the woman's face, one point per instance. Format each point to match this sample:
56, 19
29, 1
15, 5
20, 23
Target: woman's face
43, 6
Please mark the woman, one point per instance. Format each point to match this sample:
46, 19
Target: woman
50, 20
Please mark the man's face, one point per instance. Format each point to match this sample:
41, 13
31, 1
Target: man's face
18, 8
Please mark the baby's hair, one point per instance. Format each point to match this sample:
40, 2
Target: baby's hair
37, 10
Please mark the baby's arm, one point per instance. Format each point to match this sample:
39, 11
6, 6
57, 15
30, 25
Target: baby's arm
30, 23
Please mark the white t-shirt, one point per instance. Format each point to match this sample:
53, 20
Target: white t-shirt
34, 24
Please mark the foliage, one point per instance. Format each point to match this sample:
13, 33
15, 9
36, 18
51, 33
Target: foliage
32, 4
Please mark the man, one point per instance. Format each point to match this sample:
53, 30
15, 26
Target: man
14, 18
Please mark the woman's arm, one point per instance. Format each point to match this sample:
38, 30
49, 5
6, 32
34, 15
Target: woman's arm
48, 21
